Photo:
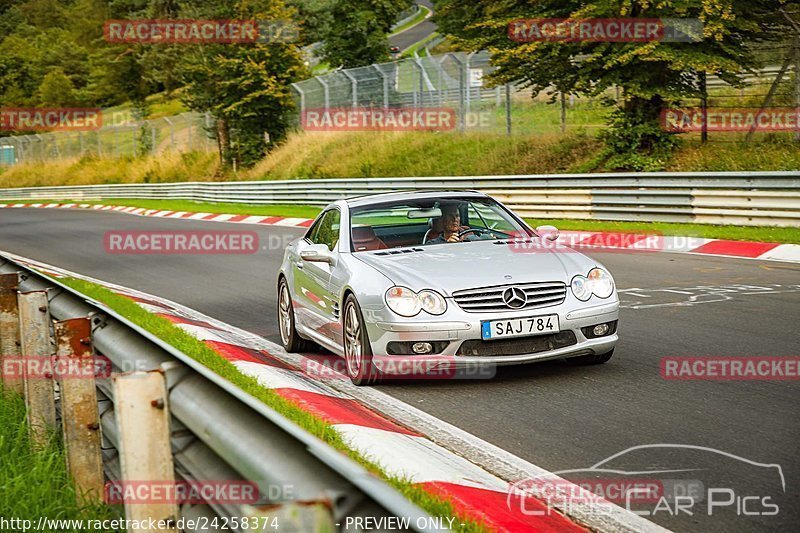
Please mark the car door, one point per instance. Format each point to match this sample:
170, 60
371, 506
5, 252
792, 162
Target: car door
312, 280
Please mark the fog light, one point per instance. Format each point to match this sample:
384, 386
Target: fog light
600, 330
421, 347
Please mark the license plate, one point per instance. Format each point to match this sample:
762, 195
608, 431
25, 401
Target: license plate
519, 327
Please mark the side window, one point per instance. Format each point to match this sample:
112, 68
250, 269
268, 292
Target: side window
326, 230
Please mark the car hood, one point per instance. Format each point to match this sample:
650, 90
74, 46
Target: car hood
455, 266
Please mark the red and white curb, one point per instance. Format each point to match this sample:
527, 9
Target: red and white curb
446, 466
210, 217
646, 242
643, 242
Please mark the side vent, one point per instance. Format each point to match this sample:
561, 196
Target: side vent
399, 251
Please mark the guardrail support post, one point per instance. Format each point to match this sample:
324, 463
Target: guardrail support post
37, 352
79, 412
9, 330
143, 428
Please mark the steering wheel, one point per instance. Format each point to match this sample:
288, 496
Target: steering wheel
477, 231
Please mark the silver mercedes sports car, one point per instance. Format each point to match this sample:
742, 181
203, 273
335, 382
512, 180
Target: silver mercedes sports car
431, 281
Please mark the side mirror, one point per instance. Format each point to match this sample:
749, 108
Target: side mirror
548, 232
317, 253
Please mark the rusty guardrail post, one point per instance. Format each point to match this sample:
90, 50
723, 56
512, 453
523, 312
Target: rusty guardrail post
80, 418
37, 352
143, 428
9, 331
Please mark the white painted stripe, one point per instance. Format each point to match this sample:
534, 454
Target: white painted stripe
222, 218
290, 221
253, 219
36, 205
416, 459
784, 252
196, 216
138, 210
118, 208
107, 208
50, 206
83, 206
177, 214
19, 205
279, 378
161, 213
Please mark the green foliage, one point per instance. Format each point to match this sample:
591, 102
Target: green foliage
662, 72
57, 90
356, 36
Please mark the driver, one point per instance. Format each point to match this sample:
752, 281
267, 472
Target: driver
451, 225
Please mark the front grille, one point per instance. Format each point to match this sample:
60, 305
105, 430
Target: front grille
519, 346
490, 299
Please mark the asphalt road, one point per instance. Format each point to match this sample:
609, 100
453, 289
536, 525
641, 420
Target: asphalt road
554, 415
415, 34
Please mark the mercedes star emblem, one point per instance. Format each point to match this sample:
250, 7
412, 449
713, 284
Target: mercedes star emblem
514, 297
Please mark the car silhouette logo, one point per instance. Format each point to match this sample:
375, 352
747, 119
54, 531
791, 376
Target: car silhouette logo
514, 297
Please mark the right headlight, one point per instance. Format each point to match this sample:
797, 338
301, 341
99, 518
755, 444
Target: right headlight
597, 282
406, 302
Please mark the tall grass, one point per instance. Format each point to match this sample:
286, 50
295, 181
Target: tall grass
373, 154
35, 483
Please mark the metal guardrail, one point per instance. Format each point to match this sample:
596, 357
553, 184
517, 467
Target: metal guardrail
219, 432
746, 198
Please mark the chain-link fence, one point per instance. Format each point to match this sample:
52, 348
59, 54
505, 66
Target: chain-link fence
456, 81
122, 137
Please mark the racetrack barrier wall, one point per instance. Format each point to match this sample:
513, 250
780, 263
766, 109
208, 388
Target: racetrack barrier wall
759, 198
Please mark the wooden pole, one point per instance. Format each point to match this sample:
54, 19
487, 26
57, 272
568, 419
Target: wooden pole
37, 356
142, 412
79, 412
9, 333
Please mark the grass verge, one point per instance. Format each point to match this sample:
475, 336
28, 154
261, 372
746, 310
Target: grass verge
36, 484
168, 332
708, 231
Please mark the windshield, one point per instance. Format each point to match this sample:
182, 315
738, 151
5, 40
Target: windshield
431, 222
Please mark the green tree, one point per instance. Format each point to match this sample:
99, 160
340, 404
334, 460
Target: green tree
652, 75
57, 90
356, 37
245, 87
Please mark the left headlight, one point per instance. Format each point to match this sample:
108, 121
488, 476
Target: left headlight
406, 302
597, 282
432, 302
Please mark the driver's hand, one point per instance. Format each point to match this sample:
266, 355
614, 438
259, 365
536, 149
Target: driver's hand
453, 238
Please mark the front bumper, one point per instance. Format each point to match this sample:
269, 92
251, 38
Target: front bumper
457, 326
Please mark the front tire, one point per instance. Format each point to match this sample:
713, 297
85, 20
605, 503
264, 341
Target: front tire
357, 348
593, 359
292, 342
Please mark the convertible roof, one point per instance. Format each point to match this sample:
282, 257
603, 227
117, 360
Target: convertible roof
358, 201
